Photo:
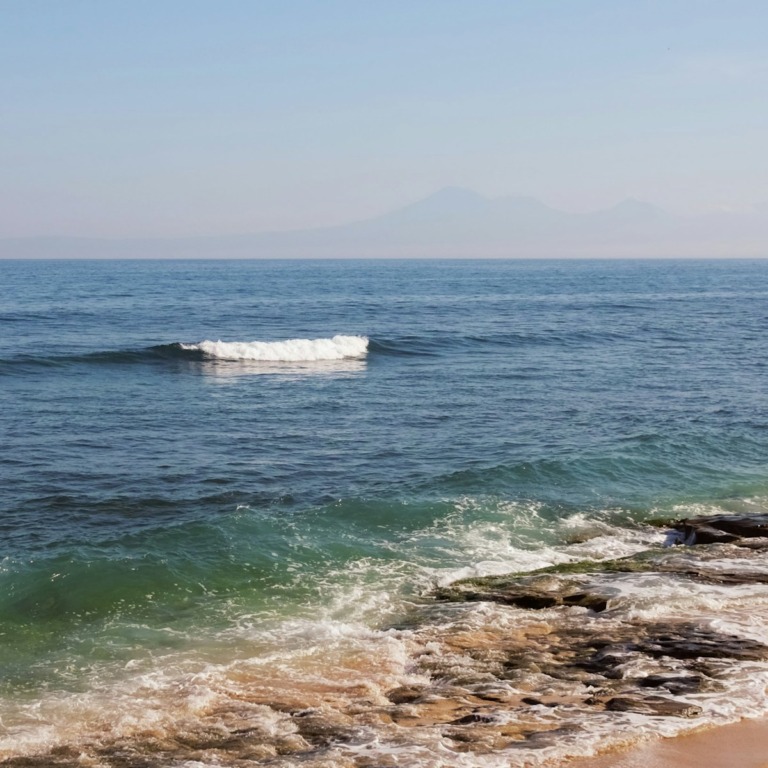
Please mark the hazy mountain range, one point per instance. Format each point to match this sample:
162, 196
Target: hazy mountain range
454, 222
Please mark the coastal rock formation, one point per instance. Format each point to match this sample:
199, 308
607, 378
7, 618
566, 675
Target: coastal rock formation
516, 665
721, 528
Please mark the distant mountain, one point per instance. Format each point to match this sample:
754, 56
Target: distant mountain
630, 210
455, 222
447, 202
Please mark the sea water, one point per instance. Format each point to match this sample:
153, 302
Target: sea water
224, 477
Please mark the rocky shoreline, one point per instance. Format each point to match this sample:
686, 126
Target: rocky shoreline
644, 667
506, 670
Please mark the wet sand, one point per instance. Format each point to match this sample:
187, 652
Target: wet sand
739, 745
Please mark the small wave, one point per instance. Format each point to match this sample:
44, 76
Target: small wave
142, 355
298, 351
161, 352
289, 351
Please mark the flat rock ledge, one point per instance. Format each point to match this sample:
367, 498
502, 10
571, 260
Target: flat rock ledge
556, 655
721, 528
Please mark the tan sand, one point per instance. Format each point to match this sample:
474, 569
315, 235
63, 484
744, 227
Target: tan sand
740, 745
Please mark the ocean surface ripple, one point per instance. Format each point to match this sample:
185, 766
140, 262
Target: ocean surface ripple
224, 476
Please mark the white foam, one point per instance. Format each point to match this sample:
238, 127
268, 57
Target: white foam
521, 539
288, 351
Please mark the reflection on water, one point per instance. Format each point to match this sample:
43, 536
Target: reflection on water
233, 369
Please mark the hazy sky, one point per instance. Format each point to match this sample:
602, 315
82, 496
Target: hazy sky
173, 117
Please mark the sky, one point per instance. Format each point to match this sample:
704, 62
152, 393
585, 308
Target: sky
135, 118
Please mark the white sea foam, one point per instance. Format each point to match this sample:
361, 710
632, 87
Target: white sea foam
288, 351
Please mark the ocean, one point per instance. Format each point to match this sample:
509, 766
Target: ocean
229, 488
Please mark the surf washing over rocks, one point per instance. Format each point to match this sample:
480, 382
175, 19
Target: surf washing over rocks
443, 546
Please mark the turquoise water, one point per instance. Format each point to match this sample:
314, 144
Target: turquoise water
165, 506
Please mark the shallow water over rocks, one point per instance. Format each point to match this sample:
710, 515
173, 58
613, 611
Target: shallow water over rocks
506, 670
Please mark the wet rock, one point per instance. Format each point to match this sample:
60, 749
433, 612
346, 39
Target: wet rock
675, 684
206, 738
432, 709
759, 542
710, 576
406, 694
474, 717
653, 705
324, 728
706, 534
721, 528
545, 737
493, 696
605, 662
515, 596
476, 739
41, 761
689, 641
595, 603
62, 756
528, 592
131, 757
534, 702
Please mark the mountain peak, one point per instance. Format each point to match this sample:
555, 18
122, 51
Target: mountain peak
456, 193
453, 199
447, 202
631, 206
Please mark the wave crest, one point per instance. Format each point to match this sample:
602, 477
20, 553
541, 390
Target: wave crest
288, 351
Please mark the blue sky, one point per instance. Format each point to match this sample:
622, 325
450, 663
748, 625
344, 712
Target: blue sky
176, 117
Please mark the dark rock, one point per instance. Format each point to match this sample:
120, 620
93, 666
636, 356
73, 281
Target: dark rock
653, 705
706, 534
519, 596
498, 698
595, 603
522, 595
406, 694
522, 599
675, 684
322, 730
606, 659
723, 577
692, 642
473, 718
533, 701
721, 528
545, 737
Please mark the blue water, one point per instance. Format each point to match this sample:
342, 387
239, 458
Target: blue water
153, 496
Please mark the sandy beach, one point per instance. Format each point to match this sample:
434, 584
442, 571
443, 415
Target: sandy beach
738, 745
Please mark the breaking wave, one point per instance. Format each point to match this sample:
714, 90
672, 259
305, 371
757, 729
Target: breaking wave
288, 351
